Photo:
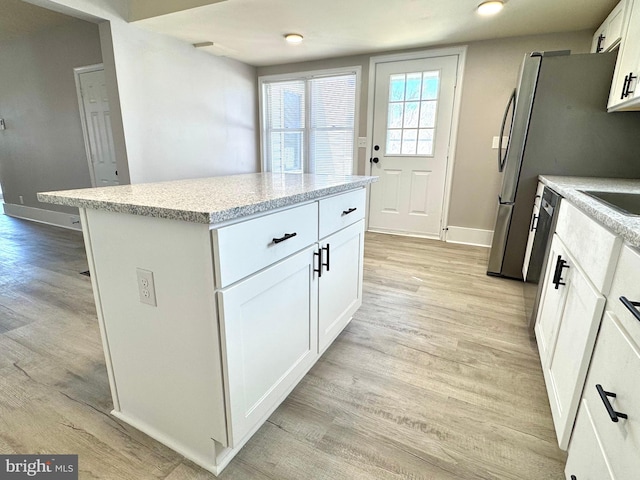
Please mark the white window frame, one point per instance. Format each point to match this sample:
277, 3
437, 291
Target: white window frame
308, 75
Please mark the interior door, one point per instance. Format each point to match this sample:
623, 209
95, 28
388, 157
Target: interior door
413, 110
95, 106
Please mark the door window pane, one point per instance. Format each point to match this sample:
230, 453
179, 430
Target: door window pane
406, 113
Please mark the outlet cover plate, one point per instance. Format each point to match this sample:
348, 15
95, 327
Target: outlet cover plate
146, 287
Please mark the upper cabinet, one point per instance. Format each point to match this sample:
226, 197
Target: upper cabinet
624, 93
608, 36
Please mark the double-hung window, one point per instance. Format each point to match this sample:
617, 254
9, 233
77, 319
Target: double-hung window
308, 122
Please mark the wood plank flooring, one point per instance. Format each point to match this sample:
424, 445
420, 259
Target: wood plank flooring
436, 377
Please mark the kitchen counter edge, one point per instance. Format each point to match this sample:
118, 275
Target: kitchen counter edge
570, 188
248, 203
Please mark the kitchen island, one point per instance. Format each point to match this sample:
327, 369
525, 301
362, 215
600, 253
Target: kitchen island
215, 296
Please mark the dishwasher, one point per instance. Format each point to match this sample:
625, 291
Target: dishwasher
545, 227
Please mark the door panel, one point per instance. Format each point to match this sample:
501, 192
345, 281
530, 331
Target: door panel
413, 110
95, 105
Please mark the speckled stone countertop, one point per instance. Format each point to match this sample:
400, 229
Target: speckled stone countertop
627, 226
208, 200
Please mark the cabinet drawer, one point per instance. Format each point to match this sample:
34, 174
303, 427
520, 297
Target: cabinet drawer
626, 284
593, 246
615, 366
246, 247
342, 210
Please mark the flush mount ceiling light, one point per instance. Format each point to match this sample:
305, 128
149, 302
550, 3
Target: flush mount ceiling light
293, 38
490, 8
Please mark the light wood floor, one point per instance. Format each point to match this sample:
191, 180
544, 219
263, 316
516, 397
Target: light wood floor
436, 377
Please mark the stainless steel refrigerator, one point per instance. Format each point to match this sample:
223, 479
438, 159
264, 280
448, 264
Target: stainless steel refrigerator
557, 124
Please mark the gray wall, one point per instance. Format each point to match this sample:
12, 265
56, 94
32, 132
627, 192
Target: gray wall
43, 148
490, 75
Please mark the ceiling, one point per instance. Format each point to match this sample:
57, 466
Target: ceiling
19, 18
252, 30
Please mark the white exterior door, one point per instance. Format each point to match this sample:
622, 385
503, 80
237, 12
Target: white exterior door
99, 140
413, 111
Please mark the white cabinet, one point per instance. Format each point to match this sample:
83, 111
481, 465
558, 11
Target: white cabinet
578, 275
244, 309
269, 326
611, 398
566, 331
609, 34
535, 215
340, 286
625, 94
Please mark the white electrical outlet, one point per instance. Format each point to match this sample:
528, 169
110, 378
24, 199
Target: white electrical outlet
146, 287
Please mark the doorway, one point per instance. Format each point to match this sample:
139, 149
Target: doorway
96, 125
414, 104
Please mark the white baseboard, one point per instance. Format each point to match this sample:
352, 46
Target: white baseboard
40, 215
469, 236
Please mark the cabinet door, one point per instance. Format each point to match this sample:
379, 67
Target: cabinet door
340, 287
608, 36
624, 92
568, 343
269, 326
551, 303
616, 368
587, 459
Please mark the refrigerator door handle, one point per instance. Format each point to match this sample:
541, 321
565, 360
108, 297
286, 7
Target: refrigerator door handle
503, 158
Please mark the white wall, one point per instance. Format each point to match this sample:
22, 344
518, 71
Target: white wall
185, 113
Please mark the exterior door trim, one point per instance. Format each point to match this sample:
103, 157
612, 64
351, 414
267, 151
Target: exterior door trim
461, 53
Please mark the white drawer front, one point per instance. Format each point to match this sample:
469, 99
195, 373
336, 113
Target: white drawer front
342, 210
593, 246
587, 458
626, 283
615, 366
246, 247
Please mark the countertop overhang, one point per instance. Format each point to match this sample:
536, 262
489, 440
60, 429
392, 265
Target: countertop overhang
209, 200
627, 226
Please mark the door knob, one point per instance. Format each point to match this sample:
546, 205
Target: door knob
376, 147
374, 160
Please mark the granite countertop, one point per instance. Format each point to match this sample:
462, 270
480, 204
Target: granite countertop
208, 200
627, 226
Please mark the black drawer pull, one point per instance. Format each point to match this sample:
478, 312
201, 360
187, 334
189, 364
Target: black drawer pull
631, 306
557, 276
347, 212
599, 47
604, 397
328, 250
319, 269
287, 236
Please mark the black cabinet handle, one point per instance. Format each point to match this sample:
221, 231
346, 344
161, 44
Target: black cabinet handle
557, 276
534, 222
347, 212
626, 85
319, 269
631, 306
328, 250
599, 45
286, 236
604, 396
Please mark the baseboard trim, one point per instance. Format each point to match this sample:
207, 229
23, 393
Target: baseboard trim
469, 236
40, 215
